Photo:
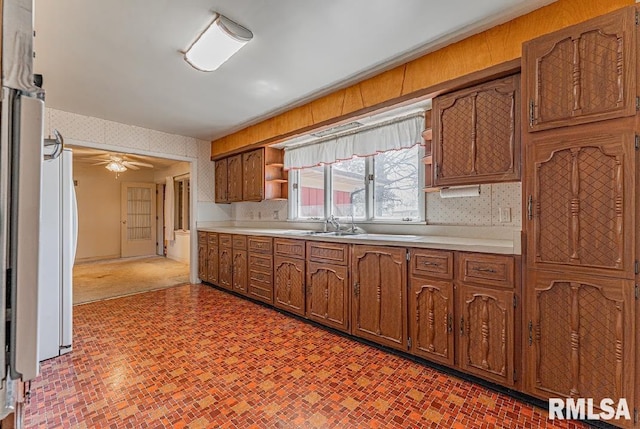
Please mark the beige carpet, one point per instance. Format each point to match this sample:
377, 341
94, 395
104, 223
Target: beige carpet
93, 281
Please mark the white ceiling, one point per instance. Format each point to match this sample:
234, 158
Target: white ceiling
120, 60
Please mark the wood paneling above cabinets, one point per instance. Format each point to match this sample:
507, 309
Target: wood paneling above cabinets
427, 76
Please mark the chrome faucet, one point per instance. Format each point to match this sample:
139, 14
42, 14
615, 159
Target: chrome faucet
333, 221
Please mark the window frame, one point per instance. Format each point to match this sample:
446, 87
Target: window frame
294, 195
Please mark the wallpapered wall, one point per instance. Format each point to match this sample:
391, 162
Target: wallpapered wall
102, 132
471, 211
468, 211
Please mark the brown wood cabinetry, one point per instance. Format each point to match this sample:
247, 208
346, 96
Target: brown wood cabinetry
251, 176
260, 268
240, 273
235, 175
221, 175
486, 333
580, 336
580, 193
476, 134
580, 199
225, 262
202, 255
583, 73
431, 305
327, 292
212, 258
379, 295
289, 275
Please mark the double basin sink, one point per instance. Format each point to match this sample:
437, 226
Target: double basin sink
352, 234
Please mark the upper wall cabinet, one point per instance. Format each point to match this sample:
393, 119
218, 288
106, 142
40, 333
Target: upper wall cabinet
582, 74
221, 181
476, 134
251, 176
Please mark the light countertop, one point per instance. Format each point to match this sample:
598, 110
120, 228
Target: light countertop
466, 244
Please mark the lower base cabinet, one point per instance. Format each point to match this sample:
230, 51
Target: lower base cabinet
486, 333
225, 267
260, 286
289, 284
202, 256
431, 319
379, 295
580, 339
327, 295
240, 279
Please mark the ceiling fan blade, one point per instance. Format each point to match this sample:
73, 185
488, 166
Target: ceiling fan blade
129, 165
101, 163
140, 164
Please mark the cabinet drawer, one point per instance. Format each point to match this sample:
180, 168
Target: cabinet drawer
492, 270
224, 240
291, 248
260, 244
202, 238
332, 253
239, 242
212, 239
432, 263
261, 262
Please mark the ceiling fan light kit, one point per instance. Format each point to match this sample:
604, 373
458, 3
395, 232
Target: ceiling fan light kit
216, 44
116, 167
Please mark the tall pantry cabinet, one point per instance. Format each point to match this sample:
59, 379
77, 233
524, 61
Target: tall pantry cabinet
580, 130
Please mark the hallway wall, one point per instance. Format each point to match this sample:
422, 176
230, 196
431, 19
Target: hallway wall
98, 194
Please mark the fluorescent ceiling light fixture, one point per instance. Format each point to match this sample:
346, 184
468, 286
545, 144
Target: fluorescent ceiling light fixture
217, 44
116, 167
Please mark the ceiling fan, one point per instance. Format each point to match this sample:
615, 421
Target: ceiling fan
119, 163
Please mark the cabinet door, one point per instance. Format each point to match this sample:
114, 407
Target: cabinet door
583, 73
581, 337
234, 178
379, 295
202, 259
486, 333
239, 276
253, 175
328, 295
431, 319
221, 181
476, 134
202, 255
580, 200
289, 284
212, 265
225, 274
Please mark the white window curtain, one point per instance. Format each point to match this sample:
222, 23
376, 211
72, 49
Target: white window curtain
168, 209
399, 134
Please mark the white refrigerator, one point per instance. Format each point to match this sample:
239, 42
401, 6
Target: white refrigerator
58, 241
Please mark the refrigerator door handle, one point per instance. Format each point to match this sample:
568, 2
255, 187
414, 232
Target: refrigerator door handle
58, 142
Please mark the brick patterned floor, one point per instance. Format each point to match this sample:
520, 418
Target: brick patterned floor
196, 357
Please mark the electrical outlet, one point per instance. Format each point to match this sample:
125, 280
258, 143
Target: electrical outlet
505, 214
276, 214
259, 215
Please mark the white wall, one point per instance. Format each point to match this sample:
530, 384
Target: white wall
102, 134
99, 200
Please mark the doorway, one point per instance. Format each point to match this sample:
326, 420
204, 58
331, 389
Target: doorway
120, 213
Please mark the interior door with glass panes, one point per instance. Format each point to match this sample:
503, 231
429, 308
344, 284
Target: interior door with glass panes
137, 219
